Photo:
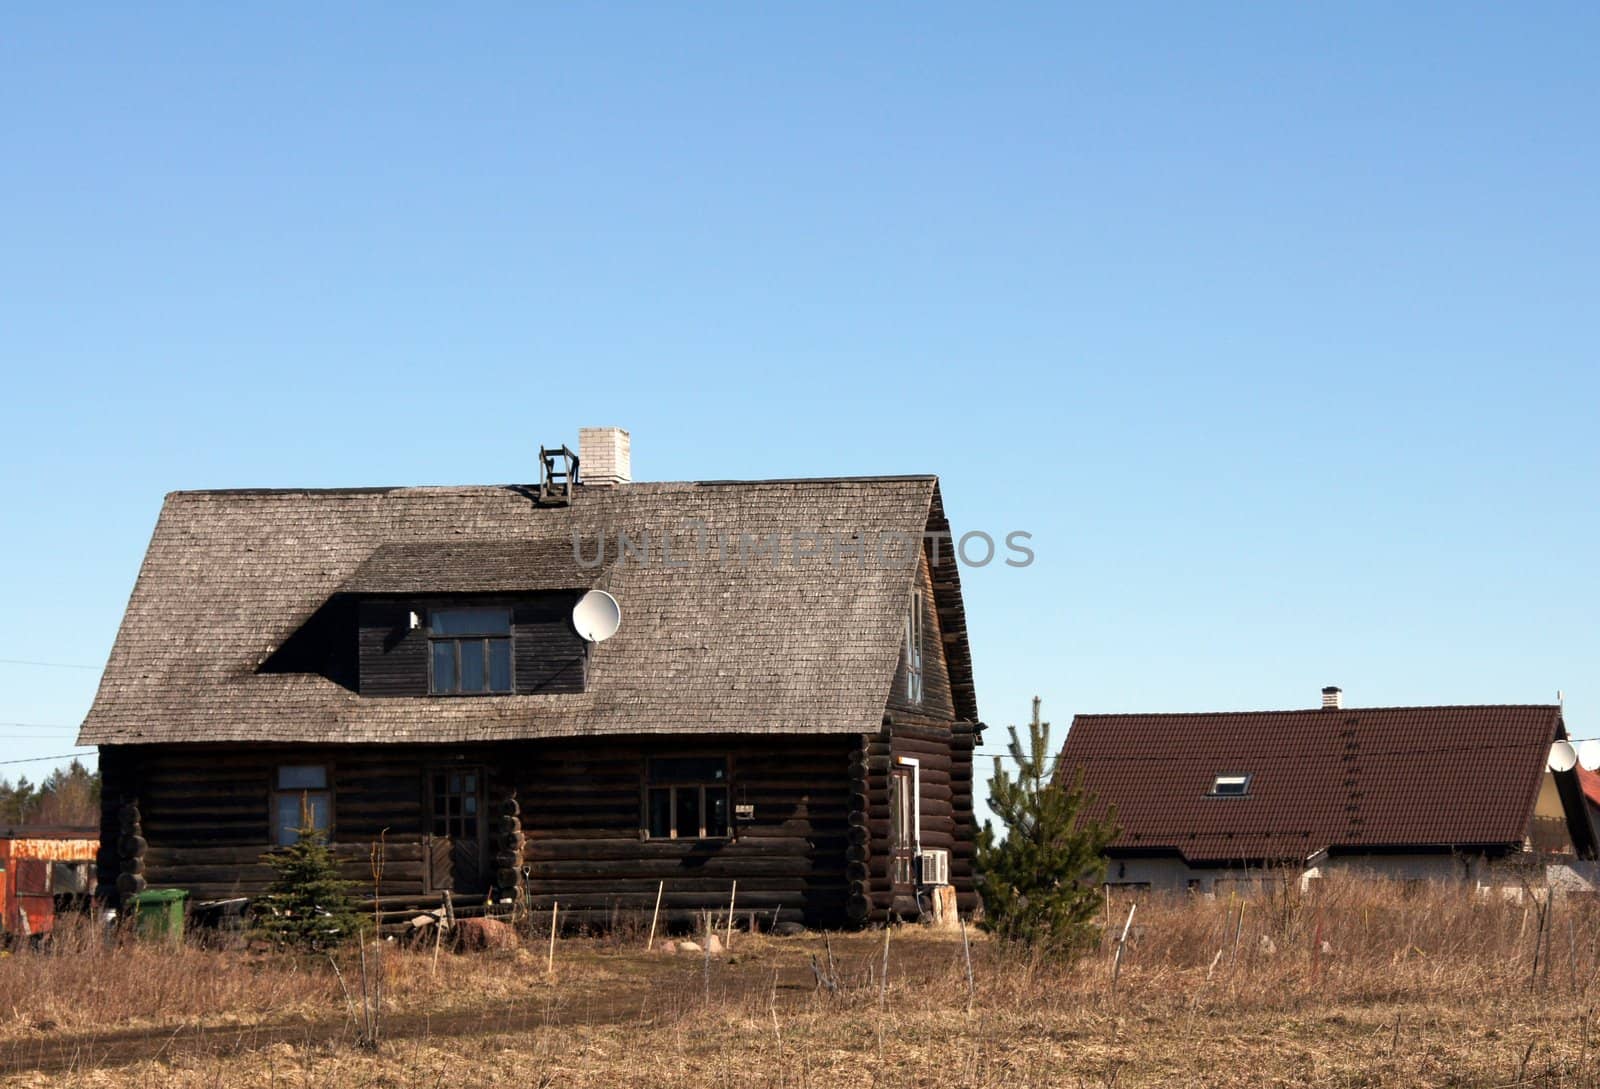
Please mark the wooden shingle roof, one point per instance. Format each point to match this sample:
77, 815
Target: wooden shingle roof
1351, 779
712, 640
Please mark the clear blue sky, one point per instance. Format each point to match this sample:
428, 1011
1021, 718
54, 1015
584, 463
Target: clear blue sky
1275, 326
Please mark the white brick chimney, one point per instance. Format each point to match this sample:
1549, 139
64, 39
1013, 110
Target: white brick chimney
604, 456
1332, 698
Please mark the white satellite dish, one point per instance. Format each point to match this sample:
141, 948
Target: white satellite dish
1562, 756
1589, 753
597, 616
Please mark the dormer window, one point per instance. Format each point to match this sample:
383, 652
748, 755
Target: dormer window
469, 651
1230, 786
914, 648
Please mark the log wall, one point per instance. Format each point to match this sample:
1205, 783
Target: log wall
581, 810
943, 752
206, 813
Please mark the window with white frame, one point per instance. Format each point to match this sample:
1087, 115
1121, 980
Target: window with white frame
1230, 786
914, 648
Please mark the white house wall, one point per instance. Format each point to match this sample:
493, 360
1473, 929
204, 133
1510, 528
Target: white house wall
1175, 875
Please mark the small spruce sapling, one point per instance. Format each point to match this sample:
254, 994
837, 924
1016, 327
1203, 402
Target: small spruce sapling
1039, 881
308, 905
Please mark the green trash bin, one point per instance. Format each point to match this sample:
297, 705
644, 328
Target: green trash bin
158, 913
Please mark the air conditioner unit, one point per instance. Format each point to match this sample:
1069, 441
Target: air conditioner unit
934, 867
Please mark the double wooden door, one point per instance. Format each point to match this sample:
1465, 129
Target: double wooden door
458, 842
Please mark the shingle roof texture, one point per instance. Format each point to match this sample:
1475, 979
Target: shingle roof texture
708, 644
1346, 780
465, 567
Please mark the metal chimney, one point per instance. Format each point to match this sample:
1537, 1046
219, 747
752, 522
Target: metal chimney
1332, 698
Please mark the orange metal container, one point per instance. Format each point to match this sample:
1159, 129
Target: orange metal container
27, 873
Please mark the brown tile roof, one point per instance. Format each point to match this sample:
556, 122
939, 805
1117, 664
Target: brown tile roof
804, 645
1590, 782
1353, 779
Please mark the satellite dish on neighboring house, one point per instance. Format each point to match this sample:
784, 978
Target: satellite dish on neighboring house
1589, 753
596, 616
1563, 757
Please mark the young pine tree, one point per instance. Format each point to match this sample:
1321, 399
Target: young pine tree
1038, 882
308, 906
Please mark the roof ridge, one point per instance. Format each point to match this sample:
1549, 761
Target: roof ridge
1325, 710
384, 489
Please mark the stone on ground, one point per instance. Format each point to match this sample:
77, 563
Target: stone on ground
478, 935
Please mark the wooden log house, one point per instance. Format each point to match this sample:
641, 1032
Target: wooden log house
788, 702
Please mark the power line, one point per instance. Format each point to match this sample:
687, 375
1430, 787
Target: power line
58, 756
45, 665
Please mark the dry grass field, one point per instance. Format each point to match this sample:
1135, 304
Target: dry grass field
1412, 988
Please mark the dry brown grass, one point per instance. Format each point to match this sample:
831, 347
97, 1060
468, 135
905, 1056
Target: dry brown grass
1426, 987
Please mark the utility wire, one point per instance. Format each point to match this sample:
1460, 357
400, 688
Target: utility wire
58, 756
45, 665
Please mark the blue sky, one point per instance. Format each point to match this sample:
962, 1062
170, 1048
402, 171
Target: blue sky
1273, 325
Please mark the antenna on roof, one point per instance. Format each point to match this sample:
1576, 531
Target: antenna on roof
596, 616
1562, 756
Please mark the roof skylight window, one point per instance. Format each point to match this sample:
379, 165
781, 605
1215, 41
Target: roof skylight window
1230, 786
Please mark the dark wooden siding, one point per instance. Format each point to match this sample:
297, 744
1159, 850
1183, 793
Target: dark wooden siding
206, 816
936, 699
929, 732
944, 760
549, 655
581, 812
394, 657
963, 739
206, 812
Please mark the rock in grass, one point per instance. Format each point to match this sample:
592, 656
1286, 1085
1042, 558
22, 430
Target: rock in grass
479, 935
687, 946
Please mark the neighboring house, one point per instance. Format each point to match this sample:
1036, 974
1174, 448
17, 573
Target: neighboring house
788, 702
1450, 793
1590, 782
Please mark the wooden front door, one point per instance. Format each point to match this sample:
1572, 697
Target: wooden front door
458, 853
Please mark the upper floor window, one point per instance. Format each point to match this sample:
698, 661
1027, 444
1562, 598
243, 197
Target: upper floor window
687, 798
469, 651
914, 648
301, 801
